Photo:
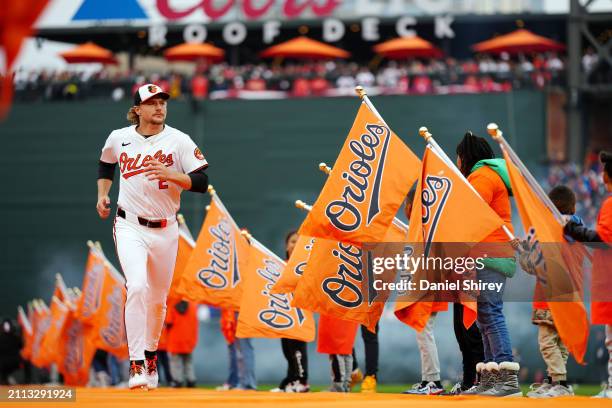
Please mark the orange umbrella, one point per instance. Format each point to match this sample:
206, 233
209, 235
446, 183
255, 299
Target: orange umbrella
304, 48
406, 47
194, 51
89, 52
517, 42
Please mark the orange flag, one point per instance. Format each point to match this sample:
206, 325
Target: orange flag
42, 323
51, 341
27, 333
76, 351
557, 273
93, 280
263, 314
333, 284
61, 291
185, 249
110, 334
17, 19
295, 266
213, 274
445, 209
367, 185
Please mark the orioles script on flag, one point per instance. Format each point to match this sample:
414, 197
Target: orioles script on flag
368, 183
213, 274
263, 313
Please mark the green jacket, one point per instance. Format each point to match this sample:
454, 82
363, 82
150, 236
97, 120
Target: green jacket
505, 266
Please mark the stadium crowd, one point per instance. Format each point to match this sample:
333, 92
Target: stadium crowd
302, 79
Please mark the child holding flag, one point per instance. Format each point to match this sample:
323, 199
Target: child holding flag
295, 351
553, 350
489, 177
601, 311
430, 363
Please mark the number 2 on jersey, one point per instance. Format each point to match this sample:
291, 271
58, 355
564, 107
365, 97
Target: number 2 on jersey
163, 185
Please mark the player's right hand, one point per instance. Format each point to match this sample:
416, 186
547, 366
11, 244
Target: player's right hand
103, 207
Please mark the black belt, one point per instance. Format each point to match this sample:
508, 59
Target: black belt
143, 221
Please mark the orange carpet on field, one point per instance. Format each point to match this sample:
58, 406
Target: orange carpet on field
196, 398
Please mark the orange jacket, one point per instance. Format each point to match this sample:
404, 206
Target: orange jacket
601, 312
493, 191
228, 325
182, 328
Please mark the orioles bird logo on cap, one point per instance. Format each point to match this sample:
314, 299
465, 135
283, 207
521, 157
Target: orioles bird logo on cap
152, 88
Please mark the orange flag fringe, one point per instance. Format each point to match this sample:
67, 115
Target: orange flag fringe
213, 274
445, 209
264, 314
558, 272
367, 185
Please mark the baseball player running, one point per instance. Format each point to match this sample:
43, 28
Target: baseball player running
156, 163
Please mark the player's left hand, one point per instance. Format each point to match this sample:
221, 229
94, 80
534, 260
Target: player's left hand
159, 172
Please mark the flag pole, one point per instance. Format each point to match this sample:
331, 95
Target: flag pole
259, 245
361, 92
497, 135
429, 139
302, 205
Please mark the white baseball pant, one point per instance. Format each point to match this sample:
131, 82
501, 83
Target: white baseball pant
147, 257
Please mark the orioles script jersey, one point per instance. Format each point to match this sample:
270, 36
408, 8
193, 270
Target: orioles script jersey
146, 198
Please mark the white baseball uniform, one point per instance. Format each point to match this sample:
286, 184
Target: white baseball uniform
147, 255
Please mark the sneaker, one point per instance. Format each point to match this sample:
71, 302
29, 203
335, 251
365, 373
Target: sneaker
369, 384
276, 390
536, 390
425, 388
299, 387
151, 372
356, 377
456, 390
337, 387
606, 392
138, 378
224, 387
559, 390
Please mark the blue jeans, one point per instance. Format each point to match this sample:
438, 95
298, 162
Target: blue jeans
491, 321
246, 364
233, 380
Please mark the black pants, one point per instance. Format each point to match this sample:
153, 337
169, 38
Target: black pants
370, 342
164, 365
297, 361
470, 344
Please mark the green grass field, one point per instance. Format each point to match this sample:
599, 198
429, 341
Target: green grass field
579, 389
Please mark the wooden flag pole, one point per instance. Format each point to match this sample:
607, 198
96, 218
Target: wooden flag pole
497, 135
302, 205
361, 92
429, 139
